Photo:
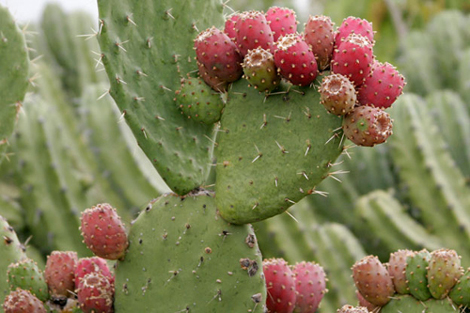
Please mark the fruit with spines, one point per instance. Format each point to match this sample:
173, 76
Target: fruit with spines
213, 81
373, 280
397, 270
350, 309
295, 60
198, 102
92, 265
416, 274
354, 25
95, 293
337, 94
353, 58
253, 31
280, 285
229, 26
367, 126
103, 231
382, 86
310, 286
26, 275
260, 71
460, 294
319, 34
218, 55
366, 304
282, 21
60, 273
444, 271
22, 301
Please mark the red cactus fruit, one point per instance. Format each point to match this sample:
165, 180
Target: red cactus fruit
319, 34
92, 265
280, 285
229, 27
337, 94
260, 70
213, 81
60, 273
396, 269
373, 281
354, 25
295, 60
95, 294
22, 301
282, 21
367, 126
444, 271
253, 31
382, 86
218, 55
310, 285
366, 304
350, 309
103, 232
353, 58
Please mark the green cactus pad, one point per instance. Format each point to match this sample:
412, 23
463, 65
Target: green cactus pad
275, 155
460, 294
416, 274
146, 48
14, 67
183, 257
11, 251
26, 275
198, 101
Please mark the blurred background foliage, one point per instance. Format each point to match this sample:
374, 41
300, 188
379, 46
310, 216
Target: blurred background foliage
71, 151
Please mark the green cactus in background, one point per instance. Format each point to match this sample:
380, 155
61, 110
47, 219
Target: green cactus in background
14, 66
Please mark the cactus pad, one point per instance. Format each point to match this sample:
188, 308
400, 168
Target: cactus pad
14, 65
273, 156
183, 257
146, 49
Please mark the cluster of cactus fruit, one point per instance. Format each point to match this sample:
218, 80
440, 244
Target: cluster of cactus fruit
411, 281
266, 47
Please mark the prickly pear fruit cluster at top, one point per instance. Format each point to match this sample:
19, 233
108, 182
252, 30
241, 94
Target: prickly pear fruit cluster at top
412, 281
104, 232
295, 288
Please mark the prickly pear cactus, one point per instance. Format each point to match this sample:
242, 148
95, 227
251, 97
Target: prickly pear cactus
273, 157
146, 49
14, 65
183, 257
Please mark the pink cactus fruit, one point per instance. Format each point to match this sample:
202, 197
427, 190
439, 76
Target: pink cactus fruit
214, 82
260, 70
397, 270
22, 301
253, 31
92, 265
350, 309
282, 21
367, 126
229, 27
366, 304
60, 273
444, 271
353, 58
319, 34
95, 294
310, 285
373, 281
218, 54
280, 285
103, 232
337, 94
295, 60
382, 86
354, 25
